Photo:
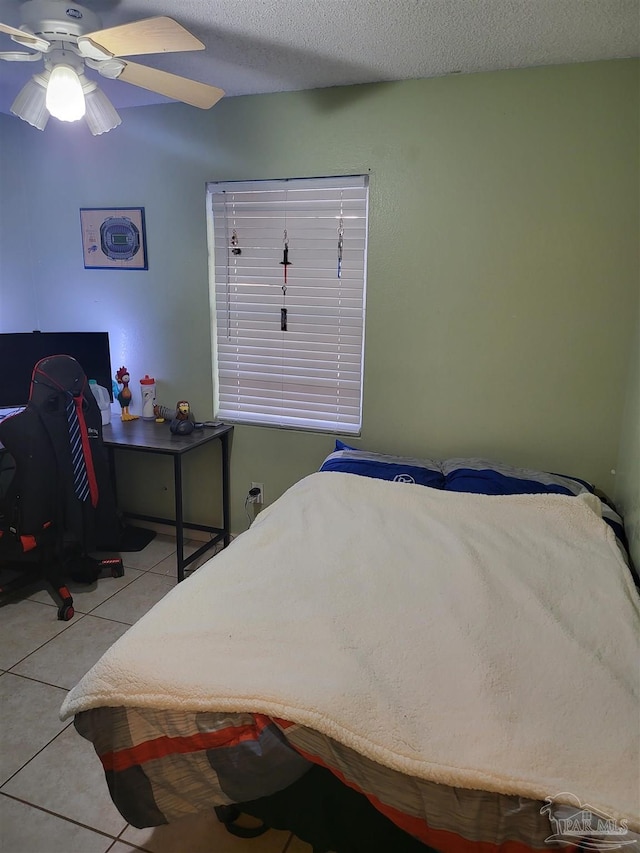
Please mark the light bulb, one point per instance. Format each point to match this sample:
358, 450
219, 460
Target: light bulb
65, 98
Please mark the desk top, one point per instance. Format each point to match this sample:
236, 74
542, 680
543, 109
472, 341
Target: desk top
156, 438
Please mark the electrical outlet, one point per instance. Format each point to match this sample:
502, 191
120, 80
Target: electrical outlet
258, 499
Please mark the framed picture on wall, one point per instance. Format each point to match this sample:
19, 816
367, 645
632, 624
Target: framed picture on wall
113, 238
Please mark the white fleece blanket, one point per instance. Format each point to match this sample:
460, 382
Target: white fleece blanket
481, 642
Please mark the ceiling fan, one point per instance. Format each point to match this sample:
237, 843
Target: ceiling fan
69, 37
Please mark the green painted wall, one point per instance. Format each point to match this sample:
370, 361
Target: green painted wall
502, 260
627, 490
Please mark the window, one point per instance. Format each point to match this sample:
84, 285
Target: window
288, 264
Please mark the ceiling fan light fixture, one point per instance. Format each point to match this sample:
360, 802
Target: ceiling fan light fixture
30, 102
75, 40
65, 98
101, 116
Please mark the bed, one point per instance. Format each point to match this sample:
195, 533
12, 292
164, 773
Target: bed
454, 642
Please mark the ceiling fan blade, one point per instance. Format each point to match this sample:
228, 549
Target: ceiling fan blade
19, 56
27, 39
179, 88
150, 35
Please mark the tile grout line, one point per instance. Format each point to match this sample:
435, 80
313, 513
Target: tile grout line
70, 625
122, 840
122, 588
114, 840
37, 680
133, 846
49, 684
29, 760
42, 645
62, 817
19, 598
83, 613
106, 619
130, 847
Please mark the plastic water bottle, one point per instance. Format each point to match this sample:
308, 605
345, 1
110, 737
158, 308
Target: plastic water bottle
103, 400
148, 391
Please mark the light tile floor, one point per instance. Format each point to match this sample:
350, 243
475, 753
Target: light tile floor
53, 795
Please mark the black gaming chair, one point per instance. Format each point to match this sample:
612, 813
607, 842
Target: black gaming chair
56, 499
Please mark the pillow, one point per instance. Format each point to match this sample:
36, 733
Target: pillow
484, 477
422, 472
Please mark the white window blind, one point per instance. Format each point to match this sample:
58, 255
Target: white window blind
309, 375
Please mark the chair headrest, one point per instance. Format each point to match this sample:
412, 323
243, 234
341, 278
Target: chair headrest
60, 373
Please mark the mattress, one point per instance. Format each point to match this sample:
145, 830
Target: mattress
436, 651
163, 765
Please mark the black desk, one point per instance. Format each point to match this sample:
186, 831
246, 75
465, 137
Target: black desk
151, 437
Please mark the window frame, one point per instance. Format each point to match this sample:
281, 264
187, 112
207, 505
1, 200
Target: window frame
328, 403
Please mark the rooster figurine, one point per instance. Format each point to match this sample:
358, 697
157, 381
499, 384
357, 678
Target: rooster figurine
124, 397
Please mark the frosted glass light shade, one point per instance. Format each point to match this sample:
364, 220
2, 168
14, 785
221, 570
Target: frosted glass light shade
30, 105
101, 115
65, 98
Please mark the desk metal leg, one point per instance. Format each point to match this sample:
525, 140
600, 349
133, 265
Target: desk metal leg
218, 534
177, 485
112, 472
226, 503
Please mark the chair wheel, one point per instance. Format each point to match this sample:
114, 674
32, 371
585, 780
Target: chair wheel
66, 612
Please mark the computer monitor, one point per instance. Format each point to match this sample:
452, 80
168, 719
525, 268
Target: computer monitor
20, 352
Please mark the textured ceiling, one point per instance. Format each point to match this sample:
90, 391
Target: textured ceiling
258, 46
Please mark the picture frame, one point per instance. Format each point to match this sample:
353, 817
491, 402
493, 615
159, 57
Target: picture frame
113, 238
